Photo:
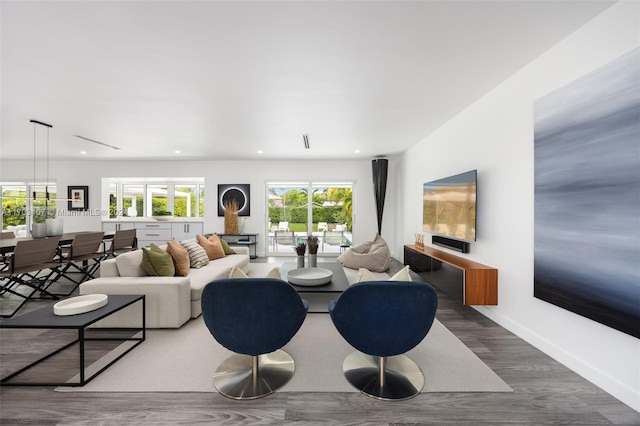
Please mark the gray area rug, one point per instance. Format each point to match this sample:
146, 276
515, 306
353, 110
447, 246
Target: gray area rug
185, 359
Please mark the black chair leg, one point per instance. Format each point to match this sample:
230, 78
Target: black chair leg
87, 272
36, 285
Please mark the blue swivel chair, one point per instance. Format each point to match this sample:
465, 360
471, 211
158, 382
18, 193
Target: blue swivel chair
383, 320
253, 317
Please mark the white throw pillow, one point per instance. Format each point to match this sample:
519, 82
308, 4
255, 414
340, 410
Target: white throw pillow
237, 273
401, 275
366, 275
274, 273
129, 264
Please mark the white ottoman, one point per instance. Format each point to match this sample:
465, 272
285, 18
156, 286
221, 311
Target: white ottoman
168, 300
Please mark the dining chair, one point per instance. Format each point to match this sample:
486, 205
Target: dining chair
3, 258
124, 240
7, 234
32, 263
82, 256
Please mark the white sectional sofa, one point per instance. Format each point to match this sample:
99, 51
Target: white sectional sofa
170, 301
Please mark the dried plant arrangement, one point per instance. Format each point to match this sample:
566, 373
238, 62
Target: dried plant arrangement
231, 217
301, 249
312, 243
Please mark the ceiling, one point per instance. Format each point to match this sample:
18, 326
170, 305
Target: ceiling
223, 80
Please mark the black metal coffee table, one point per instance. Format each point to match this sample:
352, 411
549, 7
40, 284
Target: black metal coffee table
44, 318
320, 296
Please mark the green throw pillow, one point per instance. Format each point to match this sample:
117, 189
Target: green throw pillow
225, 246
157, 262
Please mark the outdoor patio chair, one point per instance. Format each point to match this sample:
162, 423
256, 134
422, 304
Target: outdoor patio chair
123, 241
84, 256
283, 226
333, 238
285, 238
32, 264
323, 226
19, 230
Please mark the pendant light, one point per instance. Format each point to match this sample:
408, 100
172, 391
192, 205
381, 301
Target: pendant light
35, 154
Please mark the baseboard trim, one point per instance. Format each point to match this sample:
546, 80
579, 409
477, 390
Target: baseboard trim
612, 386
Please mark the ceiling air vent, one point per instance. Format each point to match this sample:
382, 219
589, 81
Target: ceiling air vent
99, 143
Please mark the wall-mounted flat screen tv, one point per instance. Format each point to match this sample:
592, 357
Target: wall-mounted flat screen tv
449, 206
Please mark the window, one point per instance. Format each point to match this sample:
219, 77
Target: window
133, 200
322, 209
185, 201
143, 197
157, 199
113, 200
20, 209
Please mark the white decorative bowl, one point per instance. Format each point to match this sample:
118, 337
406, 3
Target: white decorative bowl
309, 276
162, 218
80, 304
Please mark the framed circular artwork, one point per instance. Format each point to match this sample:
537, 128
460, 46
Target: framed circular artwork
238, 193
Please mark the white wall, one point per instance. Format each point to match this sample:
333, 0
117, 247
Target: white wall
495, 136
255, 173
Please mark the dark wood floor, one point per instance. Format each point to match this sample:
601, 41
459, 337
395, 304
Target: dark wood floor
545, 392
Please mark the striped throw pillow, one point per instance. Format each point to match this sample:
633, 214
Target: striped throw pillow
197, 256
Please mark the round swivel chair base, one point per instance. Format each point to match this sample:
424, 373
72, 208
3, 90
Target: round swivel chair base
403, 378
235, 377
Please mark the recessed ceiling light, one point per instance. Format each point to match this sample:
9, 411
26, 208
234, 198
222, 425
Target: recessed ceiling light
259, 151
357, 151
177, 151
83, 152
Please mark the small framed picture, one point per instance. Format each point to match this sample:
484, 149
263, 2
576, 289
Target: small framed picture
78, 197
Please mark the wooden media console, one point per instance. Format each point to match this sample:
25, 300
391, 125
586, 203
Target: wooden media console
469, 282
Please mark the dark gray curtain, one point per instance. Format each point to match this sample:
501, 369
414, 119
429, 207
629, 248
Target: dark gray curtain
380, 166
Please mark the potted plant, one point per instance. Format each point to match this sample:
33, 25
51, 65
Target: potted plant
162, 215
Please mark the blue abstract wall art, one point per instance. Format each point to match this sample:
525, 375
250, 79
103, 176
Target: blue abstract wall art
587, 195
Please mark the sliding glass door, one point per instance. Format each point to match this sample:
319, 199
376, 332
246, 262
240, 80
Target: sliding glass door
296, 210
